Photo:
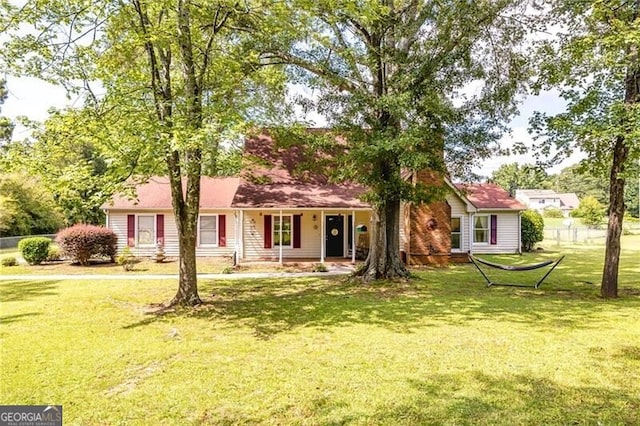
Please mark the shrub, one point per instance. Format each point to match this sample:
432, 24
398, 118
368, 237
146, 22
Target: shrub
126, 259
8, 261
81, 242
34, 250
553, 212
320, 267
591, 211
54, 254
532, 229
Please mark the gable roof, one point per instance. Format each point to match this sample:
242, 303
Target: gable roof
275, 179
290, 177
489, 196
538, 193
569, 200
215, 193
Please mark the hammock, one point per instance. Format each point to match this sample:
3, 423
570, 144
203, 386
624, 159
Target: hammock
514, 268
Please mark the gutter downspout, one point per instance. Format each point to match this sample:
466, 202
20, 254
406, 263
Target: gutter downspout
280, 233
519, 232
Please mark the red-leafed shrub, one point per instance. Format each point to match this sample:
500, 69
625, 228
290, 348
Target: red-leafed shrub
81, 242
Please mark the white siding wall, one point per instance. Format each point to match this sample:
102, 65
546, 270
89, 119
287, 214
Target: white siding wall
310, 243
508, 235
118, 223
459, 208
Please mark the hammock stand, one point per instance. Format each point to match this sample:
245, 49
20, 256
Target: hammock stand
514, 268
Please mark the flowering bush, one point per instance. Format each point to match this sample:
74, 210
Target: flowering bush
81, 242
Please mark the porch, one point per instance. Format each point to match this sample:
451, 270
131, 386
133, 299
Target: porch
297, 234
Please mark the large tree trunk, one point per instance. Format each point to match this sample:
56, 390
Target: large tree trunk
186, 210
383, 261
187, 294
609, 285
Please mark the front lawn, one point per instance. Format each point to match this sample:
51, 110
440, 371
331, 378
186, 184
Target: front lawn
442, 349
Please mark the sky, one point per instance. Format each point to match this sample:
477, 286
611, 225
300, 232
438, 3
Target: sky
33, 98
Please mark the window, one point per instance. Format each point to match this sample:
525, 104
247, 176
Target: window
208, 230
481, 229
456, 233
286, 230
146, 230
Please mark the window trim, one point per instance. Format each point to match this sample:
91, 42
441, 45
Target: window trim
276, 241
154, 237
217, 238
487, 229
461, 233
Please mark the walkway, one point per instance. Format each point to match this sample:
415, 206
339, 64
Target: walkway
340, 269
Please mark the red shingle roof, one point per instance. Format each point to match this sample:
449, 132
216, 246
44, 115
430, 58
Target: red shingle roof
290, 177
291, 195
489, 196
215, 193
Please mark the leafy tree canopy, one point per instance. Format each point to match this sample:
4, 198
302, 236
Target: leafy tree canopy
513, 176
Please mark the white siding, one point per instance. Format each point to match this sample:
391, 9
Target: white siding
459, 208
118, 223
507, 237
310, 240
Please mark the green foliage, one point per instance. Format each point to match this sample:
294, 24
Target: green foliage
320, 267
80, 243
590, 211
54, 254
6, 126
228, 270
583, 181
26, 208
372, 66
552, 212
34, 250
532, 229
513, 176
126, 259
8, 261
177, 80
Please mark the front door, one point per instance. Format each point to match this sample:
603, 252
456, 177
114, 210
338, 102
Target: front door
334, 231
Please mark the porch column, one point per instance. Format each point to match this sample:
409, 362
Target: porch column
322, 236
353, 236
280, 233
471, 233
241, 236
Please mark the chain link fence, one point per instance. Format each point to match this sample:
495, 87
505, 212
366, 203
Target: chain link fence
584, 235
12, 242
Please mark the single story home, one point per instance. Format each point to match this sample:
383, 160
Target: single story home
277, 212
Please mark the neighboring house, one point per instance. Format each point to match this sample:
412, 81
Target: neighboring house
278, 212
541, 199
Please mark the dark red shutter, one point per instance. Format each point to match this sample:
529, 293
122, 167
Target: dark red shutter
131, 230
222, 230
267, 231
296, 230
160, 229
494, 229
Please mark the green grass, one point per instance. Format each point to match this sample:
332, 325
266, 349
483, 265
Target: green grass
441, 349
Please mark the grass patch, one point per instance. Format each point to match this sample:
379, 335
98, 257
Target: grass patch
143, 266
440, 349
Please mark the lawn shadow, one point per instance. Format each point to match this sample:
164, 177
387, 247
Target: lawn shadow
19, 291
272, 306
514, 399
8, 319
